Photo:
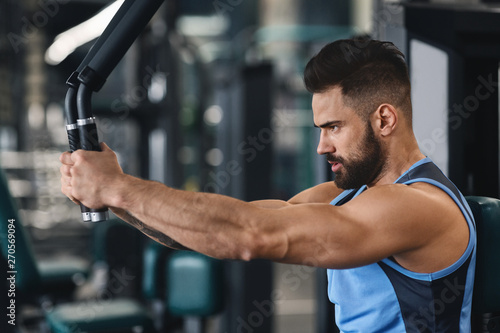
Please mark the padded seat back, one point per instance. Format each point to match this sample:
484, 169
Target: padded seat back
153, 280
486, 298
194, 284
28, 276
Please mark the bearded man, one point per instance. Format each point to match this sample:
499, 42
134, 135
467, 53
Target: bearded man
396, 236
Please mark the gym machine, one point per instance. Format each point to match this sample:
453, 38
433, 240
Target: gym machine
91, 75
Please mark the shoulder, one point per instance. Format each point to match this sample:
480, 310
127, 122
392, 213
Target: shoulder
420, 217
414, 194
415, 203
419, 211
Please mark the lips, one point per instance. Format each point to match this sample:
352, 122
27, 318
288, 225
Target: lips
335, 161
335, 166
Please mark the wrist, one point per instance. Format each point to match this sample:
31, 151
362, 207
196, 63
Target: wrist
118, 194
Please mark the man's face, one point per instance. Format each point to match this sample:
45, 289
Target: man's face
348, 142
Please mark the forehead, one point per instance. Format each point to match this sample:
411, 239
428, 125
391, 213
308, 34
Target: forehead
329, 106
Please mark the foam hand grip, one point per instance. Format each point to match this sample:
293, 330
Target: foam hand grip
89, 140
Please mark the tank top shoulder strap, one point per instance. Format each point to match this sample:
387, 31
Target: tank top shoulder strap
426, 171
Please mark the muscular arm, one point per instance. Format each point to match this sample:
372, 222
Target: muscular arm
388, 220
366, 230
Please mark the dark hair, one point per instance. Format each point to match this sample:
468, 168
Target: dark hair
369, 72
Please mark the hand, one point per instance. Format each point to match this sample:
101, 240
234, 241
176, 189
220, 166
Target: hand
88, 176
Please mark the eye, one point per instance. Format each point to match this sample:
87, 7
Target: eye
333, 128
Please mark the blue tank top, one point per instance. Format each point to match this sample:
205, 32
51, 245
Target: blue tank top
385, 297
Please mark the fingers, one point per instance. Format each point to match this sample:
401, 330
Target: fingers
105, 147
65, 170
85, 173
67, 189
65, 158
76, 202
108, 151
82, 156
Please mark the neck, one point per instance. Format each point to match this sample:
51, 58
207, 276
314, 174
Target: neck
398, 161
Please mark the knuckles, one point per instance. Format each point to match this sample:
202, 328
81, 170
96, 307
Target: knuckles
65, 170
78, 156
76, 171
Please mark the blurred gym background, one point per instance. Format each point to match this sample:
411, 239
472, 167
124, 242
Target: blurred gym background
210, 98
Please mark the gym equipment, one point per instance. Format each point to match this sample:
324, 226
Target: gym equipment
38, 281
195, 285
91, 75
486, 296
33, 277
113, 313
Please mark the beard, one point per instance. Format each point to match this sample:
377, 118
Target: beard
364, 166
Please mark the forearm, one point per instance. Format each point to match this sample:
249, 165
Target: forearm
213, 224
148, 231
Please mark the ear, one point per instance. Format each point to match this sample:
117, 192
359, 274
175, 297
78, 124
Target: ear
385, 119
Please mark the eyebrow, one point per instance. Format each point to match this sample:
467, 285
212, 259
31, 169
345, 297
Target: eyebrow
329, 124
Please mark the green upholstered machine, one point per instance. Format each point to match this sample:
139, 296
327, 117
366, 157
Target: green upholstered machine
486, 298
195, 285
37, 279
102, 315
33, 276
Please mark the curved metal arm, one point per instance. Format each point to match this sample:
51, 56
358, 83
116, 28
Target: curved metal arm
90, 76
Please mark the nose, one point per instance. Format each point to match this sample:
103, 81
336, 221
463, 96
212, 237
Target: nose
324, 145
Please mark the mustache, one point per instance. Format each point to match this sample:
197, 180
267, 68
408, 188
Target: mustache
332, 158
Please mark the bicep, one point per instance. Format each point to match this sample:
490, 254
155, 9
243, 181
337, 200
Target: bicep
371, 227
